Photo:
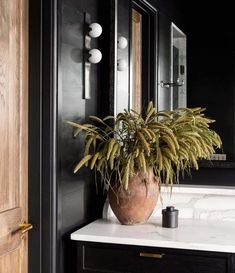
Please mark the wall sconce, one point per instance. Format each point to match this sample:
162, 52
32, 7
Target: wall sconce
90, 56
95, 30
95, 56
121, 65
122, 42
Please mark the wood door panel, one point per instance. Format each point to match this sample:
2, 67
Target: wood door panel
9, 235
9, 105
10, 262
13, 134
4, 102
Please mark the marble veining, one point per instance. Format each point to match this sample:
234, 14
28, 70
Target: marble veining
206, 222
193, 234
195, 203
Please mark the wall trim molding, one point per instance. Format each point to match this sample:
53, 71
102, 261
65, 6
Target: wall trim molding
42, 135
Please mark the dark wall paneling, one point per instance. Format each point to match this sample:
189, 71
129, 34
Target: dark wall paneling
42, 124
107, 45
34, 186
173, 9
78, 203
211, 68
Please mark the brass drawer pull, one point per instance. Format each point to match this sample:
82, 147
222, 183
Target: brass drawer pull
152, 255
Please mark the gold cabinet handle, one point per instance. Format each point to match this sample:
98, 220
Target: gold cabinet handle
23, 228
152, 255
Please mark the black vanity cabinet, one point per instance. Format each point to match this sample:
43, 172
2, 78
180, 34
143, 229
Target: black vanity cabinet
102, 257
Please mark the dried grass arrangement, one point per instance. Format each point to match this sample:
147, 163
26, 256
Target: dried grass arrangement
169, 142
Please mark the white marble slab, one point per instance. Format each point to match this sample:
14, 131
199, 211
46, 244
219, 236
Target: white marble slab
209, 203
192, 234
200, 203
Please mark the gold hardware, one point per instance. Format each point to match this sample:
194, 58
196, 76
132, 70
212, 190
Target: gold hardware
152, 255
23, 228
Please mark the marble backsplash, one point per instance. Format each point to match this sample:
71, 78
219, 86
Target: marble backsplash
195, 202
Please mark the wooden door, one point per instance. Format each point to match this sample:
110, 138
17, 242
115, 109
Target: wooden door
13, 134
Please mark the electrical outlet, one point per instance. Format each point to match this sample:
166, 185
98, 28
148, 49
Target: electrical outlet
219, 157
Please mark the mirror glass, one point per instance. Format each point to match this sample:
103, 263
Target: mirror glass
136, 70
178, 68
211, 66
204, 60
122, 67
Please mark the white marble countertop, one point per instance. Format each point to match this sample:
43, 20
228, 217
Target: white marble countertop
192, 234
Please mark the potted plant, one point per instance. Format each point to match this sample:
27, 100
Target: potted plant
139, 152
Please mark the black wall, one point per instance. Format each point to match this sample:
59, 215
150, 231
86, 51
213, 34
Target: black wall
211, 70
42, 123
78, 203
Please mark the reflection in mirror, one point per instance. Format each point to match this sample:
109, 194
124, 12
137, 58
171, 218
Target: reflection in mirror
122, 94
178, 68
135, 85
211, 68
136, 58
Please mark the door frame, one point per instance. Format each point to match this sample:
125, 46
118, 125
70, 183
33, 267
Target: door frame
150, 44
42, 194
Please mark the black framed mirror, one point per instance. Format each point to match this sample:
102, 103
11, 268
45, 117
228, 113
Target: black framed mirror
136, 63
210, 82
211, 50
210, 67
214, 25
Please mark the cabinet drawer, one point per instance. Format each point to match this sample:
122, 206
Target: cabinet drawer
131, 259
109, 259
184, 263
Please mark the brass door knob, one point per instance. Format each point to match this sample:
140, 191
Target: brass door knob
22, 228
25, 227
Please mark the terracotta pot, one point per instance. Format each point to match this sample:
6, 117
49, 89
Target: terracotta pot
135, 205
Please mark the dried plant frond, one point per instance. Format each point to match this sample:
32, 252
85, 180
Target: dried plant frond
169, 142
